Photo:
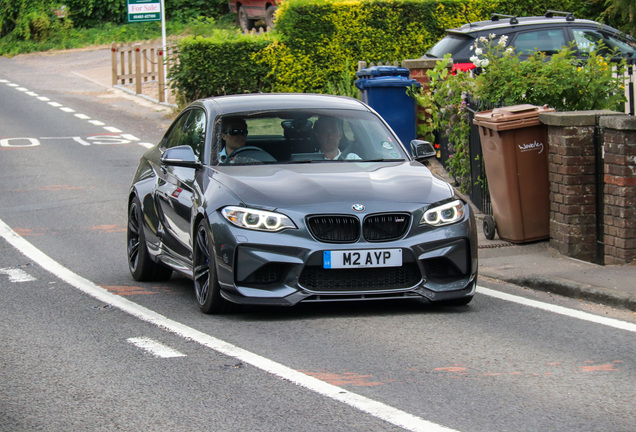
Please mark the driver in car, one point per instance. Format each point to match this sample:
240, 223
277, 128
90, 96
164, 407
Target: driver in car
233, 136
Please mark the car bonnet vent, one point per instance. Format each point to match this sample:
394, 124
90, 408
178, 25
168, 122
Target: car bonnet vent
334, 228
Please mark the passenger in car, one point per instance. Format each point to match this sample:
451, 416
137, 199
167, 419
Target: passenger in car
233, 136
328, 132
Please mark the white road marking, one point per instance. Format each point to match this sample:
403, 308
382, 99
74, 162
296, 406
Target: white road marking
96, 122
147, 145
155, 348
81, 141
82, 116
4, 81
112, 129
67, 109
377, 409
44, 99
17, 275
12, 84
22, 89
55, 104
32, 93
572, 313
129, 137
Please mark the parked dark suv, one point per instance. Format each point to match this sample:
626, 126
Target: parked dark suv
544, 33
250, 11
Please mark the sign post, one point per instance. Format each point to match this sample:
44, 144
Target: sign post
151, 10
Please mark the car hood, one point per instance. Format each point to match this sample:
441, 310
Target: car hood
301, 185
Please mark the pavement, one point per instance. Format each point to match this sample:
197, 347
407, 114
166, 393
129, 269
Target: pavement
533, 265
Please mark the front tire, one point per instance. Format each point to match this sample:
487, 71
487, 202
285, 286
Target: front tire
244, 20
206, 283
141, 266
270, 16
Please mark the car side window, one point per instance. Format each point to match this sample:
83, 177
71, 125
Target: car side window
588, 40
193, 133
547, 41
174, 134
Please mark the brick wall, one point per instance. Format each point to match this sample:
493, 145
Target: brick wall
620, 189
576, 144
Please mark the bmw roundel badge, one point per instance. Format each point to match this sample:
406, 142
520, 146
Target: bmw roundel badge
358, 207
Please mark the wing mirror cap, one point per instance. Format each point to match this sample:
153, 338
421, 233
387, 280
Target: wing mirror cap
182, 156
422, 150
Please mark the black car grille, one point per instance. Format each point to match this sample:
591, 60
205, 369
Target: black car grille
334, 228
346, 229
385, 227
316, 278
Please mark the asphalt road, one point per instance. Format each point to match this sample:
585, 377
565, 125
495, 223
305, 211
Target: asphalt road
85, 347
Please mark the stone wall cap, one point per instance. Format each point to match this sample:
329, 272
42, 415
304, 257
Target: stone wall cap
619, 122
427, 63
574, 118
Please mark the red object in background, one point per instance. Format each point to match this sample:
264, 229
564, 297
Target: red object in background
464, 67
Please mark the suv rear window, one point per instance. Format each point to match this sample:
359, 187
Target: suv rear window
452, 43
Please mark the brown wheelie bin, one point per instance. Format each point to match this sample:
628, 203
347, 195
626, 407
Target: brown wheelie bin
515, 150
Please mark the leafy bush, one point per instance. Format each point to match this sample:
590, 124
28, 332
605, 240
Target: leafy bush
219, 65
561, 81
322, 40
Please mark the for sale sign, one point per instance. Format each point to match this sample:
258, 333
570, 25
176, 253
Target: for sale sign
144, 10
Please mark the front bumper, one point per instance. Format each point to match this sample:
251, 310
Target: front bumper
286, 268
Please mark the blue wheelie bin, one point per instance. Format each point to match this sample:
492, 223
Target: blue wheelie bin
384, 89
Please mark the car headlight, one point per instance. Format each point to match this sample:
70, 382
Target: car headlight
445, 214
260, 220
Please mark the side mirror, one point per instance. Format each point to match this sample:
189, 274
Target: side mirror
182, 156
422, 150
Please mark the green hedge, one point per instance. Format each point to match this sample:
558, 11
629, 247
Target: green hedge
318, 43
220, 65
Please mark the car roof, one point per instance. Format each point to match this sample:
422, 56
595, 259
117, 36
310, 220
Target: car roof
280, 101
509, 22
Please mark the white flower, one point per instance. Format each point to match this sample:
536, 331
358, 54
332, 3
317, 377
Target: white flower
503, 40
483, 39
484, 63
479, 51
510, 50
492, 36
474, 59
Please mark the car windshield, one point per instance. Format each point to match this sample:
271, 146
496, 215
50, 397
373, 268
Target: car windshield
311, 136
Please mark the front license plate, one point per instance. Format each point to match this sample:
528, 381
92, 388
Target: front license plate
362, 258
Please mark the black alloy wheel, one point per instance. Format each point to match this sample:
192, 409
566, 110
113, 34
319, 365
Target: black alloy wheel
141, 266
206, 284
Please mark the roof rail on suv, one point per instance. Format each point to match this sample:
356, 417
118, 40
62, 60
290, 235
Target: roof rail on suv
513, 19
569, 16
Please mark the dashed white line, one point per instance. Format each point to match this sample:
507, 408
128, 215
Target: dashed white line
155, 348
67, 109
12, 84
146, 145
30, 93
112, 129
17, 275
22, 89
55, 104
44, 99
82, 116
97, 123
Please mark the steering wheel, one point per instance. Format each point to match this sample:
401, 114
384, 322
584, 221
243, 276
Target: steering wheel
261, 156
